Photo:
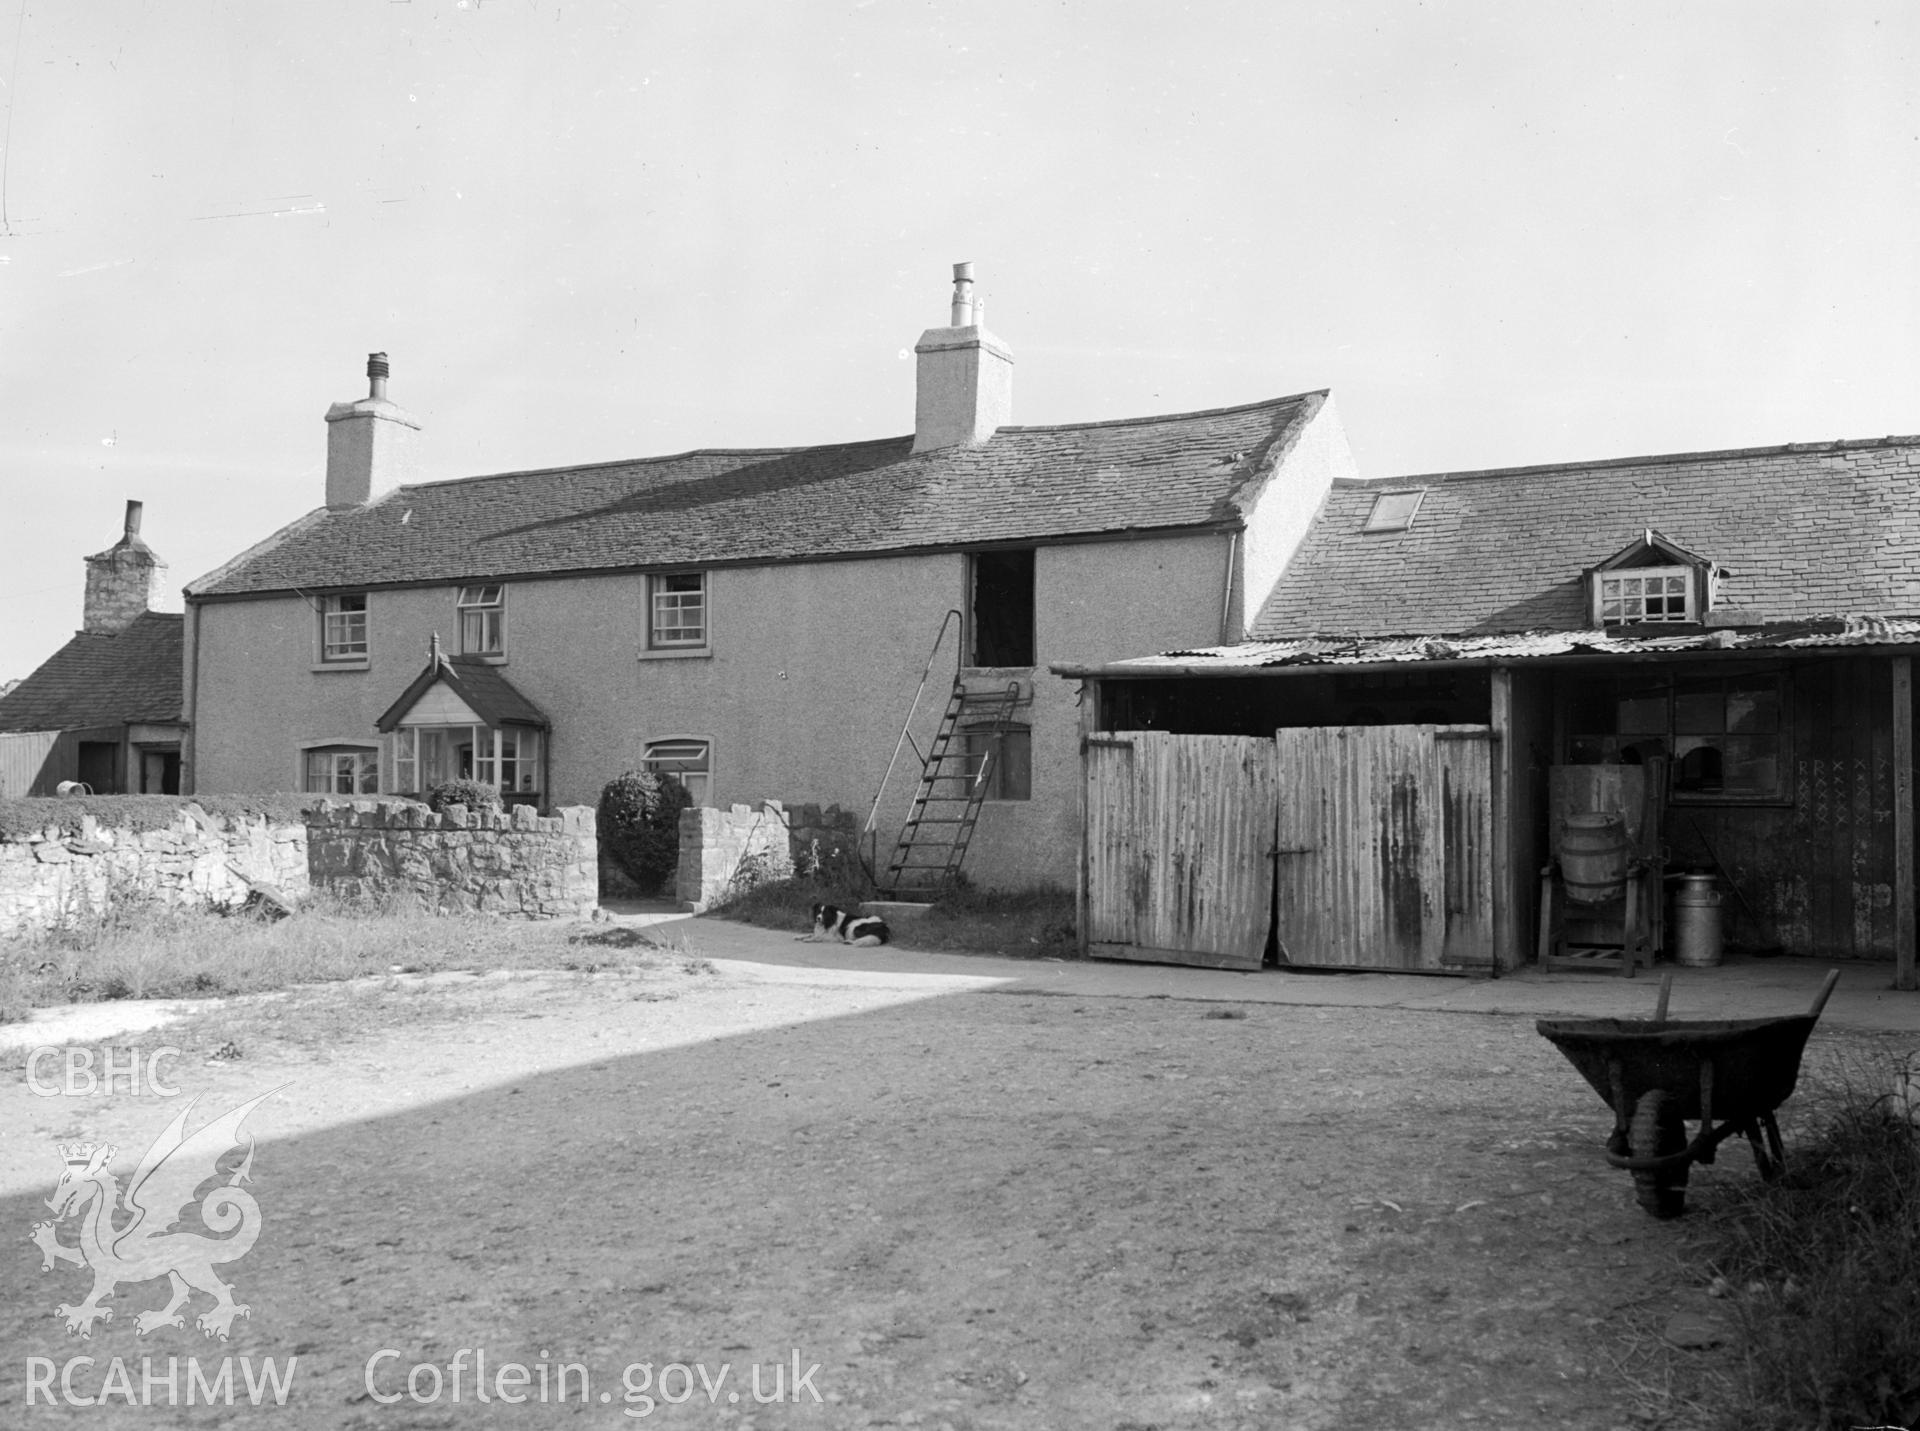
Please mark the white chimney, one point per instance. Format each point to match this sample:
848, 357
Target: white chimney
368, 443
964, 385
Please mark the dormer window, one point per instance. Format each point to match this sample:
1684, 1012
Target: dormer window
1655, 593
1652, 582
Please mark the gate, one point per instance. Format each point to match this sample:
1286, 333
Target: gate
1179, 847
1384, 856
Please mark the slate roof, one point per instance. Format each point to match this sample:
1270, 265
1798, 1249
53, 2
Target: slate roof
484, 687
100, 680
852, 499
1805, 531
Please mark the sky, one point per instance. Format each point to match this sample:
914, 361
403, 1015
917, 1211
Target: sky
586, 230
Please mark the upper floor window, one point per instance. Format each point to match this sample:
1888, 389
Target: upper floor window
343, 627
1648, 593
483, 620
677, 607
342, 770
1652, 580
1000, 608
687, 760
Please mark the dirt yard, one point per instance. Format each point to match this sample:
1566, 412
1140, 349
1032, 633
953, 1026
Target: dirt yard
968, 1208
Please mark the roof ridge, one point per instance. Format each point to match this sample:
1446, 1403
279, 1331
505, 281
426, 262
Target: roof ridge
644, 462
1838, 444
790, 449
1167, 416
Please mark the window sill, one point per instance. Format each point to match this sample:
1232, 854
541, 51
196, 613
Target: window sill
673, 653
484, 657
360, 665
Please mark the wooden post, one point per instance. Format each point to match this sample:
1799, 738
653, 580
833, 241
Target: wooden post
1903, 910
1089, 722
1507, 951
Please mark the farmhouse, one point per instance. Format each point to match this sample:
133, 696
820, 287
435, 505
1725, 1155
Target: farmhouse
105, 709
1466, 689
766, 624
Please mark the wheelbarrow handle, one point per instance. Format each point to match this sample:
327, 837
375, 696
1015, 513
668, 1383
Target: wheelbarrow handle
1666, 990
1826, 990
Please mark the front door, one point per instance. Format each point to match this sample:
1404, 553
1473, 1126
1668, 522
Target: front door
1384, 855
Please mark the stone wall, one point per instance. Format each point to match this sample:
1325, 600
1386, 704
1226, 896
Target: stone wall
495, 861
80, 864
58, 874
725, 852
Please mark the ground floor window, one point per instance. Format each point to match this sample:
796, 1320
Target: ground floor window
505, 757
342, 770
688, 760
1008, 755
1725, 736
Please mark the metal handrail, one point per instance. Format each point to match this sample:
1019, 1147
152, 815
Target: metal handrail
906, 726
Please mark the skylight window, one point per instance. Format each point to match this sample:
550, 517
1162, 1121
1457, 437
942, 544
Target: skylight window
1393, 511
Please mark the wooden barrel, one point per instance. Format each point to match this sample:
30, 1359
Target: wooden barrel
1593, 857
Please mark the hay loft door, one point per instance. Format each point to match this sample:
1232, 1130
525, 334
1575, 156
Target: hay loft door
1384, 854
1179, 848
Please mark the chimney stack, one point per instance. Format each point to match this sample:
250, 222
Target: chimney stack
124, 582
964, 382
369, 443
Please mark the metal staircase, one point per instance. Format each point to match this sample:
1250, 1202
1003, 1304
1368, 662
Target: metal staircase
953, 786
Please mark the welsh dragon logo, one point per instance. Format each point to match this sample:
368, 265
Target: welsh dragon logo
162, 1191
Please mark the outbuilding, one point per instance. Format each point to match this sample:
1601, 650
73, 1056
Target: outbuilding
1463, 684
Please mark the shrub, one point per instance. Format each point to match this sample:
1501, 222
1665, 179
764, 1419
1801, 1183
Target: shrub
471, 793
640, 825
1824, 1268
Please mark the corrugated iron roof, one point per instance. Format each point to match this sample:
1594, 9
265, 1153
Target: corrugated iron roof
1857, 630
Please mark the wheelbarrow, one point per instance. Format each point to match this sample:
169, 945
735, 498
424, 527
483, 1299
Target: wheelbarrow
1657, 1076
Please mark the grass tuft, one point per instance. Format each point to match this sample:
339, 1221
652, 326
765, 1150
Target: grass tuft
1825, 1268
153, 951
26, 816
1033, 923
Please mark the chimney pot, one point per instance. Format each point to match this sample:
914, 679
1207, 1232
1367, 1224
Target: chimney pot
377, 370
133, 518
963, 295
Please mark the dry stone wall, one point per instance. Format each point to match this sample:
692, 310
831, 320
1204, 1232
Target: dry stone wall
58, 874
79, 865
495, 861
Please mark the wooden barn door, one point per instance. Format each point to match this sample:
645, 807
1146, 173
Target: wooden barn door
1384, 855
1179, 848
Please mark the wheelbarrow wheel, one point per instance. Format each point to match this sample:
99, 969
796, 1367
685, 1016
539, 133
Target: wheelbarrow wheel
1658, 1131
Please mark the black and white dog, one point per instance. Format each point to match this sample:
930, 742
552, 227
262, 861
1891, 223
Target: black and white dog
860, 930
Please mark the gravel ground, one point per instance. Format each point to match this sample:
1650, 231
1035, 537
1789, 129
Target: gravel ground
967, 1207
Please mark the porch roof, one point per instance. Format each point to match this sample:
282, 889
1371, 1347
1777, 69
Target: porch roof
1255, 657
487, 692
